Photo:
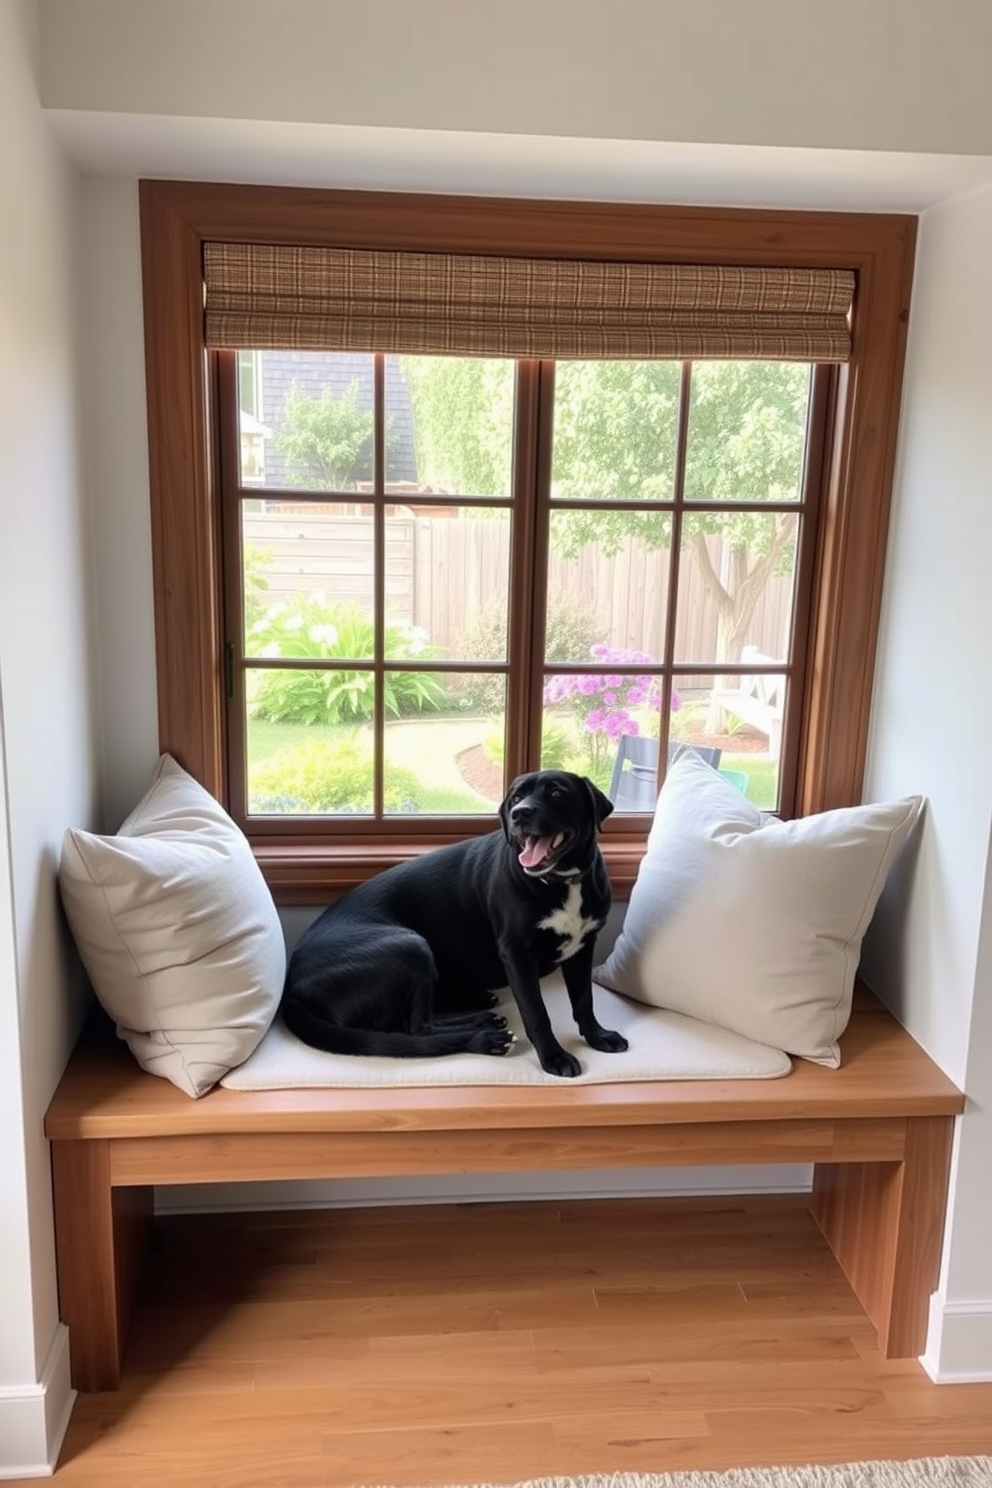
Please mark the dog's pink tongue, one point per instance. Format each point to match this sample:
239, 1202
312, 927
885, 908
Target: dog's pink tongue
536, 850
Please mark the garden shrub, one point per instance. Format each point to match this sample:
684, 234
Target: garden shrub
310, 628
319, 777
571, 630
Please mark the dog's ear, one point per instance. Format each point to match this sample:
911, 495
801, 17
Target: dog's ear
601, 805
504, 808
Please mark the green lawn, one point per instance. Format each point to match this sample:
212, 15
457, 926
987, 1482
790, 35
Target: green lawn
428, 749
762, 777
425, 748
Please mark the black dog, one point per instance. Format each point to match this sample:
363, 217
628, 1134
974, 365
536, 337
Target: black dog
406, 964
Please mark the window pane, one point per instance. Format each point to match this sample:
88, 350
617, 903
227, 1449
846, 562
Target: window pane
445, 757
747, 431
744, 745
460, 413
310, 426
615, 429
586, 714
308, 578
457, 569
304, 768
607, 583
736, 580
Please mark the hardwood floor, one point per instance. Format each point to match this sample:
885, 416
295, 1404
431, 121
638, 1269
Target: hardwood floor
491, 1343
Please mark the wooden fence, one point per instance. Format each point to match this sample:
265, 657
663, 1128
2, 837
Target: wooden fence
442, 570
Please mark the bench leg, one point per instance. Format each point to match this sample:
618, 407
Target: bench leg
885, 1223
100, 1234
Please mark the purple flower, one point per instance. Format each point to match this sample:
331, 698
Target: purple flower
620, 722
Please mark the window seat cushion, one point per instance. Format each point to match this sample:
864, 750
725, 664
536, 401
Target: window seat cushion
663, 1046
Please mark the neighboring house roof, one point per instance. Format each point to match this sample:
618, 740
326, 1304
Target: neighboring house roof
250, 425
312, 372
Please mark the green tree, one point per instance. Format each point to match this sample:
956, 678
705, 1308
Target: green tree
463, 422
324, 437
615, 438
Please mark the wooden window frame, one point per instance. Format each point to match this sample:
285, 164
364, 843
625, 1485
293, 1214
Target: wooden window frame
838, 668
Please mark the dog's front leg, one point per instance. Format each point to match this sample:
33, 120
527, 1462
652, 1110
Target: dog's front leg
526, 988
577, 971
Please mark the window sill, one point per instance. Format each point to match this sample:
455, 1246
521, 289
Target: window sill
300, 875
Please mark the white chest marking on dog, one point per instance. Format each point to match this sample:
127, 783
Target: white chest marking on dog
569, 923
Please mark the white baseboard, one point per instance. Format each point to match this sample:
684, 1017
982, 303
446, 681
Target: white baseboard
468, 1188
33, 1418
959, 1342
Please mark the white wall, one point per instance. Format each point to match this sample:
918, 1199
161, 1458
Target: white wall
930, 950
894, 74
117, 480
47, 764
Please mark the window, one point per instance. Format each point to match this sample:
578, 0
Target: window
676, 504
253, 432
537, 559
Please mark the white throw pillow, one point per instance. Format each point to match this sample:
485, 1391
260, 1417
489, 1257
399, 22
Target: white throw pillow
749, 922
178, 931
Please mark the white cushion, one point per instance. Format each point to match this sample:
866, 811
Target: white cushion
663, 1046
749, 922
177, 930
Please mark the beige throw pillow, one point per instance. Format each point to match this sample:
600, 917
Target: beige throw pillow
749, 922
177, 930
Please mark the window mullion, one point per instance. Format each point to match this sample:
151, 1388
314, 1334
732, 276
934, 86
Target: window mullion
528, 563
379, 583
225, 391
674, 565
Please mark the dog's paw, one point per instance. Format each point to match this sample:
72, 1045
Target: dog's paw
492, 1040
607, 1041
559, 1062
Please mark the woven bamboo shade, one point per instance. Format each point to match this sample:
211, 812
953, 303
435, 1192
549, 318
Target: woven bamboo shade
269, 296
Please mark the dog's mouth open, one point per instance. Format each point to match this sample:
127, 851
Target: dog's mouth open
540, 854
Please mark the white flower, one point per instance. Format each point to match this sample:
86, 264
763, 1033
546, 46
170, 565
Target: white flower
324, 635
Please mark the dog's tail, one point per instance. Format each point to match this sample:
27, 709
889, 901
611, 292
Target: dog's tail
476, 1036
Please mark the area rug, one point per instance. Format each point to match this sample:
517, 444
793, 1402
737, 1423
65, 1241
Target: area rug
920, 1472
663, 1046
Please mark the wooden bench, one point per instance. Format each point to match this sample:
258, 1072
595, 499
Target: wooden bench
877, 1130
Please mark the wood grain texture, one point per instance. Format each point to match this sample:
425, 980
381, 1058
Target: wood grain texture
885, 1224
883, 1073
878, 1130
257, 1156
100, 1235
498, 1342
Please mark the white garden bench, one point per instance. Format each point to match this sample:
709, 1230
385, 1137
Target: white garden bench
757, 698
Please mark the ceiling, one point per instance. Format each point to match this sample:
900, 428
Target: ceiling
391, 159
